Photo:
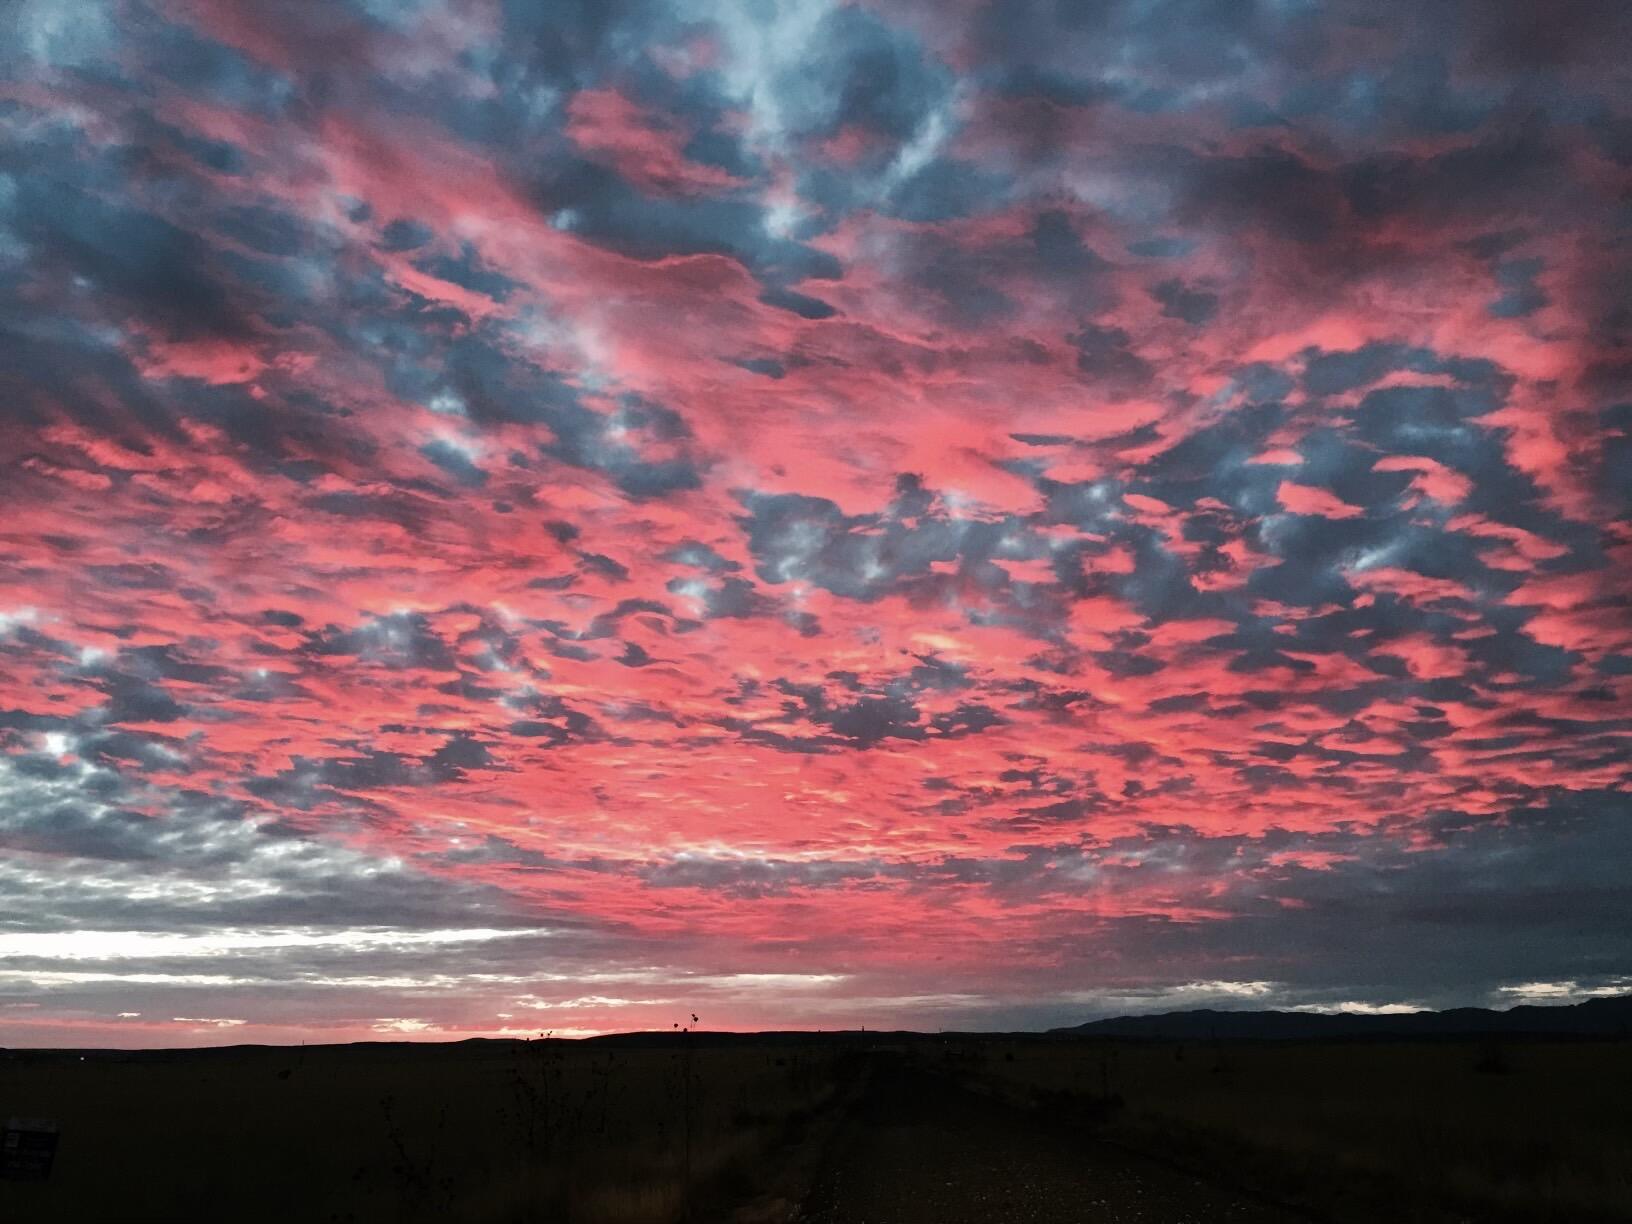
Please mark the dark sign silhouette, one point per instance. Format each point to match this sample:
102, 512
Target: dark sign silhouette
27, 1148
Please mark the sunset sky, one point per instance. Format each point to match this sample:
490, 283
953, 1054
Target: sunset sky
908, 513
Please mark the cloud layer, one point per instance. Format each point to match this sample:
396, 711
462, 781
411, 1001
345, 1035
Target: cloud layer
545, 516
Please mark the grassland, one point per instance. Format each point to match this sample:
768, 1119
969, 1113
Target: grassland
546, 1131
735, 1132
1352, 1131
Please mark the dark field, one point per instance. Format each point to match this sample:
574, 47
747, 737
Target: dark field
846, 1129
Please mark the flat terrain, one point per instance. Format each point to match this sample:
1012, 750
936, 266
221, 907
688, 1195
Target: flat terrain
834, 1129
916, 1149
1432, 1132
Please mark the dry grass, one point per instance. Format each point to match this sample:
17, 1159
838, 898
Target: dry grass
1360, 1131
589, 1134
552, 1131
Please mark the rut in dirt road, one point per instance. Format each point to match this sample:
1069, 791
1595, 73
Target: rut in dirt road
919, 1150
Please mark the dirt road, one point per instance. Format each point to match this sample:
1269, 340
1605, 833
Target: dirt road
916, 1149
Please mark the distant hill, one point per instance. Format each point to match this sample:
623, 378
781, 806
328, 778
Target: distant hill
1594, 1018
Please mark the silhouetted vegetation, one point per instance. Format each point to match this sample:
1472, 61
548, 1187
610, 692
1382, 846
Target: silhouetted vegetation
479, 1131
1358, 1130
726, 1129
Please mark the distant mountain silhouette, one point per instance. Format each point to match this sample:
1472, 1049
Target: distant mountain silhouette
1596, 1017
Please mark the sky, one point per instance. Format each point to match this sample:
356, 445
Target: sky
530, 517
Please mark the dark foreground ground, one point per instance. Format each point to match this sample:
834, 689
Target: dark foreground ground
847, 1129
918, 1149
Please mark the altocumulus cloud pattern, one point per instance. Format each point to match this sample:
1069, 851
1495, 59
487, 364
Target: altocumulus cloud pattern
560, 515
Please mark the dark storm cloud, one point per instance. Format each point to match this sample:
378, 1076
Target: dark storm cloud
454, 462
135, 260
862, 72
1179, 301
469, 271
220, 866
1106, 355
612, 444
595, 202
401, 640
1528, 898
571, 42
